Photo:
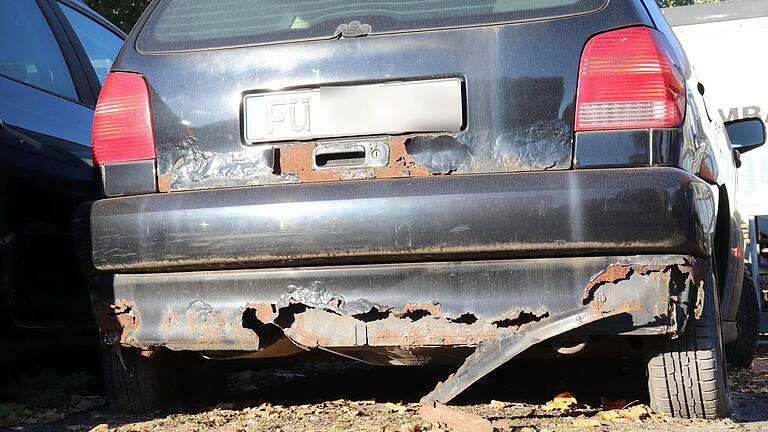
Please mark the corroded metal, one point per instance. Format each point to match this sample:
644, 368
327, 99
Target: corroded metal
326, 309
492, 353
297, 159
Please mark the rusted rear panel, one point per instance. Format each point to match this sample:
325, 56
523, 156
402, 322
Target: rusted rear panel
398, 308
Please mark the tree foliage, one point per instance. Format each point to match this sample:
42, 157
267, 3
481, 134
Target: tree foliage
122, 13
669, 3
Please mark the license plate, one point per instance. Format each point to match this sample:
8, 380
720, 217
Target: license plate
338, 111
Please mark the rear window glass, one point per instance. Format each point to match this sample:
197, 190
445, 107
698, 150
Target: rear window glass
177, 25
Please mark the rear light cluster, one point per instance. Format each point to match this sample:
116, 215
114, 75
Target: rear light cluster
629, 79
122, 124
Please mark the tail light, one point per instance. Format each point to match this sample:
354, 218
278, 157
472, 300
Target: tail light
629, 79
122, 124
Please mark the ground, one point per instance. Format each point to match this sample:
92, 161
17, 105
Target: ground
333, 395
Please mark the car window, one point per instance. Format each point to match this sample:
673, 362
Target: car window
195, 24
28, 50
101, 45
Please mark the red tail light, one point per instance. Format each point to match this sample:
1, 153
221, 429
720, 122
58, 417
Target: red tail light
629, 79
122, 125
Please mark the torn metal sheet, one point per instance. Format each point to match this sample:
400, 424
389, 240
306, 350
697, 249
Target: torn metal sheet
492, 353
682, 278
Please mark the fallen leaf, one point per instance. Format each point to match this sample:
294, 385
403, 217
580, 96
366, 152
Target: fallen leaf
562, 401
498, 404
636, 412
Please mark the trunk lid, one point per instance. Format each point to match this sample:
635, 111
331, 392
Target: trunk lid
517, 86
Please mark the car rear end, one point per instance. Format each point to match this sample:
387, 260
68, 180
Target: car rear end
395, 182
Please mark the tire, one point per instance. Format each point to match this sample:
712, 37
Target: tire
742, 351
687, 376
134, 384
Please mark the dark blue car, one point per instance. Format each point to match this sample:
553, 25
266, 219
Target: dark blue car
54, 56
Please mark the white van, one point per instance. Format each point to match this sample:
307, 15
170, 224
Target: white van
725, 43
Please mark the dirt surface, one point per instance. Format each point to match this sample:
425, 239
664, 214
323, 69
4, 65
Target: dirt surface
333, 395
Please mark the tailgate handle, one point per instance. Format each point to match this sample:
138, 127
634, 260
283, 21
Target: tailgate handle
351, 155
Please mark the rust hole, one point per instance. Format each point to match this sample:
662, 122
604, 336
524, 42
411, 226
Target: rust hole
466, 318
287, 315
520, 320
372, 315
415, 314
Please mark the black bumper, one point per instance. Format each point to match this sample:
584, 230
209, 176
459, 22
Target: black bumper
543, 214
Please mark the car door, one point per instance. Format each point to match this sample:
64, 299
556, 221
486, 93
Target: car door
47, 97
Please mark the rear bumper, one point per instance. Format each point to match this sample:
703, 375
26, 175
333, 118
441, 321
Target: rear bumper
544, 214
393, 310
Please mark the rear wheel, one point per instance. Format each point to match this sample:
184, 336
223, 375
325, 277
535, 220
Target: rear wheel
687, 376
134, 383
742, 351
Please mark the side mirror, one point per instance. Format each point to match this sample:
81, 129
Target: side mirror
746, 134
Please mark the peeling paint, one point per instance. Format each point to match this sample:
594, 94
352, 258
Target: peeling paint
543, 145
187, 166
442, 154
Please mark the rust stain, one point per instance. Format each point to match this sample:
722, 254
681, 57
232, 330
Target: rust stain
297, 159
320, 328
120, 317
165, 181
218, 329
620, 272
265, 312
432, 309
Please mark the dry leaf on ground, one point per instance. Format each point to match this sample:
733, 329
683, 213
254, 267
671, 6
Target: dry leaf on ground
498, 404
637, 412
562, 401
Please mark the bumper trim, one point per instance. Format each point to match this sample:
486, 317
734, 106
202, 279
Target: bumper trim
541, 214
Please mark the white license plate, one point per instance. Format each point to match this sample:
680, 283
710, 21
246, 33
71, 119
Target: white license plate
338, 111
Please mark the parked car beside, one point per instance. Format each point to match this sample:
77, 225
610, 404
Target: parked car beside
401, 182
54, 56
722, 28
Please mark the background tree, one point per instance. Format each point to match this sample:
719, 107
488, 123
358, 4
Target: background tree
668, 3
122, 13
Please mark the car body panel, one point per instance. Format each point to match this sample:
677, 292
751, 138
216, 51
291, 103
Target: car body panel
230, 214
197, 113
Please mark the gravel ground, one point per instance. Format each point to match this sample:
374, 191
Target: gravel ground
346, 396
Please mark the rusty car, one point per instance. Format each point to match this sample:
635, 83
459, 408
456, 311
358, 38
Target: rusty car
405, 183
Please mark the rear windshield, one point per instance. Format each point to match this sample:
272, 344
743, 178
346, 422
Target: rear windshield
177, 25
